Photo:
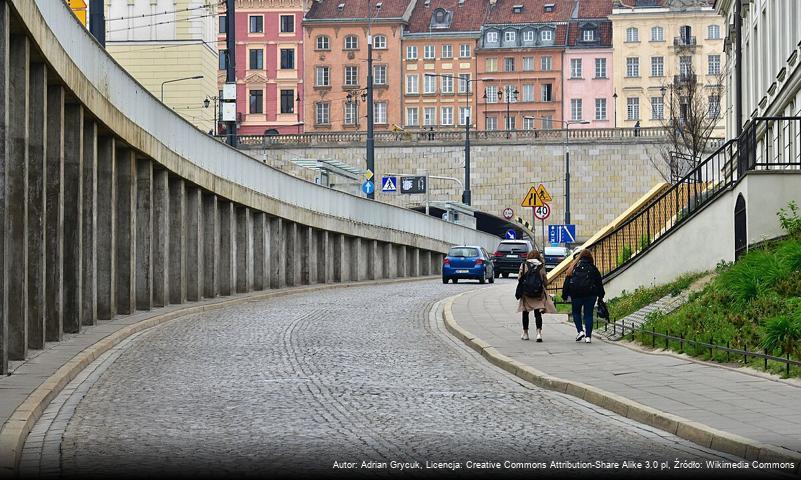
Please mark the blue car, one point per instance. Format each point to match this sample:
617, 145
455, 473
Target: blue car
467, 262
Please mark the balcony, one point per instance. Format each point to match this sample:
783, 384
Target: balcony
684, 42
684, 78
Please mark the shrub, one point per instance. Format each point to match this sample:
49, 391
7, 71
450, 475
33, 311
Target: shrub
624, 255
783, 332
790, 220
645, 240
753, 274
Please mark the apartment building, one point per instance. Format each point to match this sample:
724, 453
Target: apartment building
660, 45
335, 34
439, 65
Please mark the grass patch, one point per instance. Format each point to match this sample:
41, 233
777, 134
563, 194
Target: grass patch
628, 303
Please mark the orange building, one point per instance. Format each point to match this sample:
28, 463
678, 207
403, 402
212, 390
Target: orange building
335, 77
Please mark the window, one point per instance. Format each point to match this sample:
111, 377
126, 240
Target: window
528, 93
351, 42
510, 123
546, 35
492, 37
429, 84
464, 50
575, 68
528, 36
491, 65
657, 34
351, 75
411, 116
509, 64
575, 109
287, 23
351, 114
600, 109
547, 122
256, 101
714, 106
528, 123
714, 64
633, 108
491, 123
222, 58
447, 84
713, 32
464, 113
379, 74
509, 37
322, 76
685, 65
632, 35
600, 68
411, 84
447, 51
256, 24
657, 108
464, 83
428, 52
492, 94
588, 35
323, 43
380, 42
447, 115
528, 64
223, 24
657, 66
287, 59
510, 93
380, 113
633, 67
411, 52
322, 112
547, 92
545, 63
287, 101
429, 116
256, 59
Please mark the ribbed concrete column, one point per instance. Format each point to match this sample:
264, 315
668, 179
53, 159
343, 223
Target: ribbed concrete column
160, 243
387, 260
211, 245
414, 271
321, 256
436, 263
425, 263
244, 250
373, 262
261, 279
54, 210
403, 270
126, 231
4, 61
227, 267
144, 234
73, 217
276, 242
89, 227
337, 244
356, 259
292, 265
194, 244
106, 228
37, 180
304, 252
177, 269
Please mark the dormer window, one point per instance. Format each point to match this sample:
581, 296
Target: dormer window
509, 37
588, 35
546, 36
441, 18
528, 36
492, 37
517, 9
549, 7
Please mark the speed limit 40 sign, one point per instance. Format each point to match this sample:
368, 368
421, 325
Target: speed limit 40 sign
542, 212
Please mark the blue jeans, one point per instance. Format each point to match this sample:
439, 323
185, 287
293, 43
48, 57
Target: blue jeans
587, 304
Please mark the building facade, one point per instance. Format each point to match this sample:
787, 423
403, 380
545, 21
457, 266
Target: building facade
335, 36
269, 65
168, 47
659, 45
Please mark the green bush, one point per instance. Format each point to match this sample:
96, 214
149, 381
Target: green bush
624, 255
645, 240
755, 273
789, 219
783, 333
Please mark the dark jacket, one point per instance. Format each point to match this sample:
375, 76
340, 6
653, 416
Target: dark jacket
596, 288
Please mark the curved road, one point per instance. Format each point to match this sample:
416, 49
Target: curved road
300, 382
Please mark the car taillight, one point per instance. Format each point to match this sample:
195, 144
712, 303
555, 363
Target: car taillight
479, 261
498, 254
447, 261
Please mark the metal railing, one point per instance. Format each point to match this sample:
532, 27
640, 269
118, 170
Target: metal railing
684, 41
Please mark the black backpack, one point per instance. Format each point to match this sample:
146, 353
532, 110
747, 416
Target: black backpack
530, 284
581, 284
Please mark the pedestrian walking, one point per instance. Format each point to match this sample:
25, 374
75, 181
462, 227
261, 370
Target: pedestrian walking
531, 294
584, 287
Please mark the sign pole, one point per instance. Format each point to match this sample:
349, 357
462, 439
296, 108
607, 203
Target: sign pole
543, 236
427, 194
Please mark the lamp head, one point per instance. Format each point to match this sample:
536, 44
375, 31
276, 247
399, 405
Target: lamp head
206, 102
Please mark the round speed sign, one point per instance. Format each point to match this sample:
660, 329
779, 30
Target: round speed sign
542, 212
508, 213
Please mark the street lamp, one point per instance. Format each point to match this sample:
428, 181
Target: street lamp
510, 97
614, 95
370, 120
196, 77
206, 102
297, 110
567, 124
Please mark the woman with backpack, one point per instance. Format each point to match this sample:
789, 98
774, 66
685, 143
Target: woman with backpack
530, 293
584, 287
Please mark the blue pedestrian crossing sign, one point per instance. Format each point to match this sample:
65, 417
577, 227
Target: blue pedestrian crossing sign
510, 235
368, 187
562, 233
389, 184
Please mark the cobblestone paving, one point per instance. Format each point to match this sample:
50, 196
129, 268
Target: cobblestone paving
298, 382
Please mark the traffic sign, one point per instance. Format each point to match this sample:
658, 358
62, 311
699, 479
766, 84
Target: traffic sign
511, 234
416, 184
532, 199
368, 187
389, 184
543, 194
368, 174
562, 233
542, 212
508, 213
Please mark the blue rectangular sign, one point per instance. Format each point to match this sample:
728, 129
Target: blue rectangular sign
562, 233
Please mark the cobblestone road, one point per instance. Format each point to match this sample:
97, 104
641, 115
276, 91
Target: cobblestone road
297, 383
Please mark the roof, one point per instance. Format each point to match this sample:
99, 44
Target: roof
466, 17
594, 9
604, 34
533, 11
664, 3
356, 9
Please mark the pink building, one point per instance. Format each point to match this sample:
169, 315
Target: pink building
269, 65
587, 78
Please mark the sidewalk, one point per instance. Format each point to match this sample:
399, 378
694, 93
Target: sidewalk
741, 413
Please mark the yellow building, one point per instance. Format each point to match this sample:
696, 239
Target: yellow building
660, 45
164, 44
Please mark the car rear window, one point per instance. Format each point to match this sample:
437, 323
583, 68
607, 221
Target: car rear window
513, 247
463, 252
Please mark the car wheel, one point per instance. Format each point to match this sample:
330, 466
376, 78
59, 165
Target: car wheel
505, 274
455, 280
482, 280
444, 280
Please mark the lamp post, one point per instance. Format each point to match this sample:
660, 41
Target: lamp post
297, 110
614, 95
510, 96
206, 103
370, 119
196, 77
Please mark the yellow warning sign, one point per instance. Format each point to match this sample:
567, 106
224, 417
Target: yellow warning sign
532, 199
79, 8
543, 194
368, 174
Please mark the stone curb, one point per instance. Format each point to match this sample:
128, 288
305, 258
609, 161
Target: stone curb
695, 432
19, 424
